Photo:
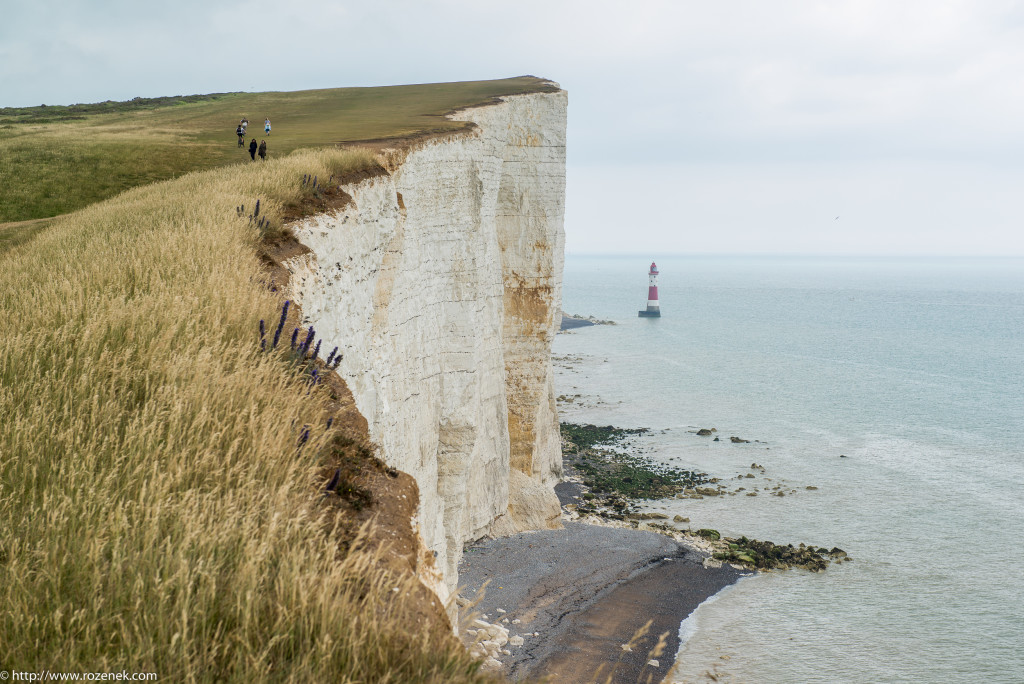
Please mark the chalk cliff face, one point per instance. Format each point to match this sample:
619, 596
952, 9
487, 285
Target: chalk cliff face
441, 285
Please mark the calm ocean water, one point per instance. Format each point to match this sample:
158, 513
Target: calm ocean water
911, 368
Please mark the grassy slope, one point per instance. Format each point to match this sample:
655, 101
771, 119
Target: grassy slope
156, 513
79, 158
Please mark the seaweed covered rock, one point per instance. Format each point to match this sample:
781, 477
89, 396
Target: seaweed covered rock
766, 555
597, 455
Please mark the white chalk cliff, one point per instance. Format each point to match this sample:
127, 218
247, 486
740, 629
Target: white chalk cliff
441, 282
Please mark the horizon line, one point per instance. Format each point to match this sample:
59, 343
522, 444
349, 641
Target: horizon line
814, 255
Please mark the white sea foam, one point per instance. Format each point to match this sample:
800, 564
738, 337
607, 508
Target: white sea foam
688, 627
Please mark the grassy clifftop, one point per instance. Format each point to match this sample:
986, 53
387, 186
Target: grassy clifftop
54, 160
162, 477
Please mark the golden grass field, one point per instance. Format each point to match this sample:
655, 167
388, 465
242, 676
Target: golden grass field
157, 513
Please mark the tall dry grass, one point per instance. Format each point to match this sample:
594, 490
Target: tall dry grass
155, 512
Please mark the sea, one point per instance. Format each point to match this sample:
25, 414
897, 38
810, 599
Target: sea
892, 386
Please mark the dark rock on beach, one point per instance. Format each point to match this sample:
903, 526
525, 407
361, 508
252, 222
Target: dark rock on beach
765, 555
570, 492
569, 321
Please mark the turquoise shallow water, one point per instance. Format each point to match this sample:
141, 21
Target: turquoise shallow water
912, 369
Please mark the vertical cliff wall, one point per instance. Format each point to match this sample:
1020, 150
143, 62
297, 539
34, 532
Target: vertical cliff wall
440, 282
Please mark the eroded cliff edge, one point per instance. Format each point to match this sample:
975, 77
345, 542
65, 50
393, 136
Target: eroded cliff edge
440, 282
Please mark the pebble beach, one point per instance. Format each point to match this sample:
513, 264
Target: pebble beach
572, 603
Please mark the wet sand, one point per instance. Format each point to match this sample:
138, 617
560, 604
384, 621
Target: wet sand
585, 591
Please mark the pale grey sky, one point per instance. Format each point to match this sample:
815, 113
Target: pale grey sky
694, 127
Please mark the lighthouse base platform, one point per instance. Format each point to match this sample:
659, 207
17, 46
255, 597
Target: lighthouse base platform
650, 313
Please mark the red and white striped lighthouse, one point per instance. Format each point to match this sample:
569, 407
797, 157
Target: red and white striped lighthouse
652, 295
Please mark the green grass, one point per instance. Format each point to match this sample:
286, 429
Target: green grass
54, 160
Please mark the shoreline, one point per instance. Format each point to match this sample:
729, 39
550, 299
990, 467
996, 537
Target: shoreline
576, 596
574, 603
666, 594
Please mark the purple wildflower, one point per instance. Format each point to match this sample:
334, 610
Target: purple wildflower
331, 357
316, 352
309, 340
334, 480
329, 422
257, 212
280, 325
295, 336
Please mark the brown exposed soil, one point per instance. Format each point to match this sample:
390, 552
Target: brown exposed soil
406, 142
277, 248
273, 254
383, 500
328, 195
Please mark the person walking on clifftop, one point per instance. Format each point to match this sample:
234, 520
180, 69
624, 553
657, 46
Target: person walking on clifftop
263, 150
266, 126
252, 149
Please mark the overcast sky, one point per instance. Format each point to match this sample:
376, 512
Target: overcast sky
694, 127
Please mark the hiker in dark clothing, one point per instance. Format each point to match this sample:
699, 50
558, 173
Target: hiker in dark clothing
252, 149
240, 132
263, 150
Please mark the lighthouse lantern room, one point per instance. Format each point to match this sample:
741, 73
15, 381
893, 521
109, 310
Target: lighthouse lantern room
652, 310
